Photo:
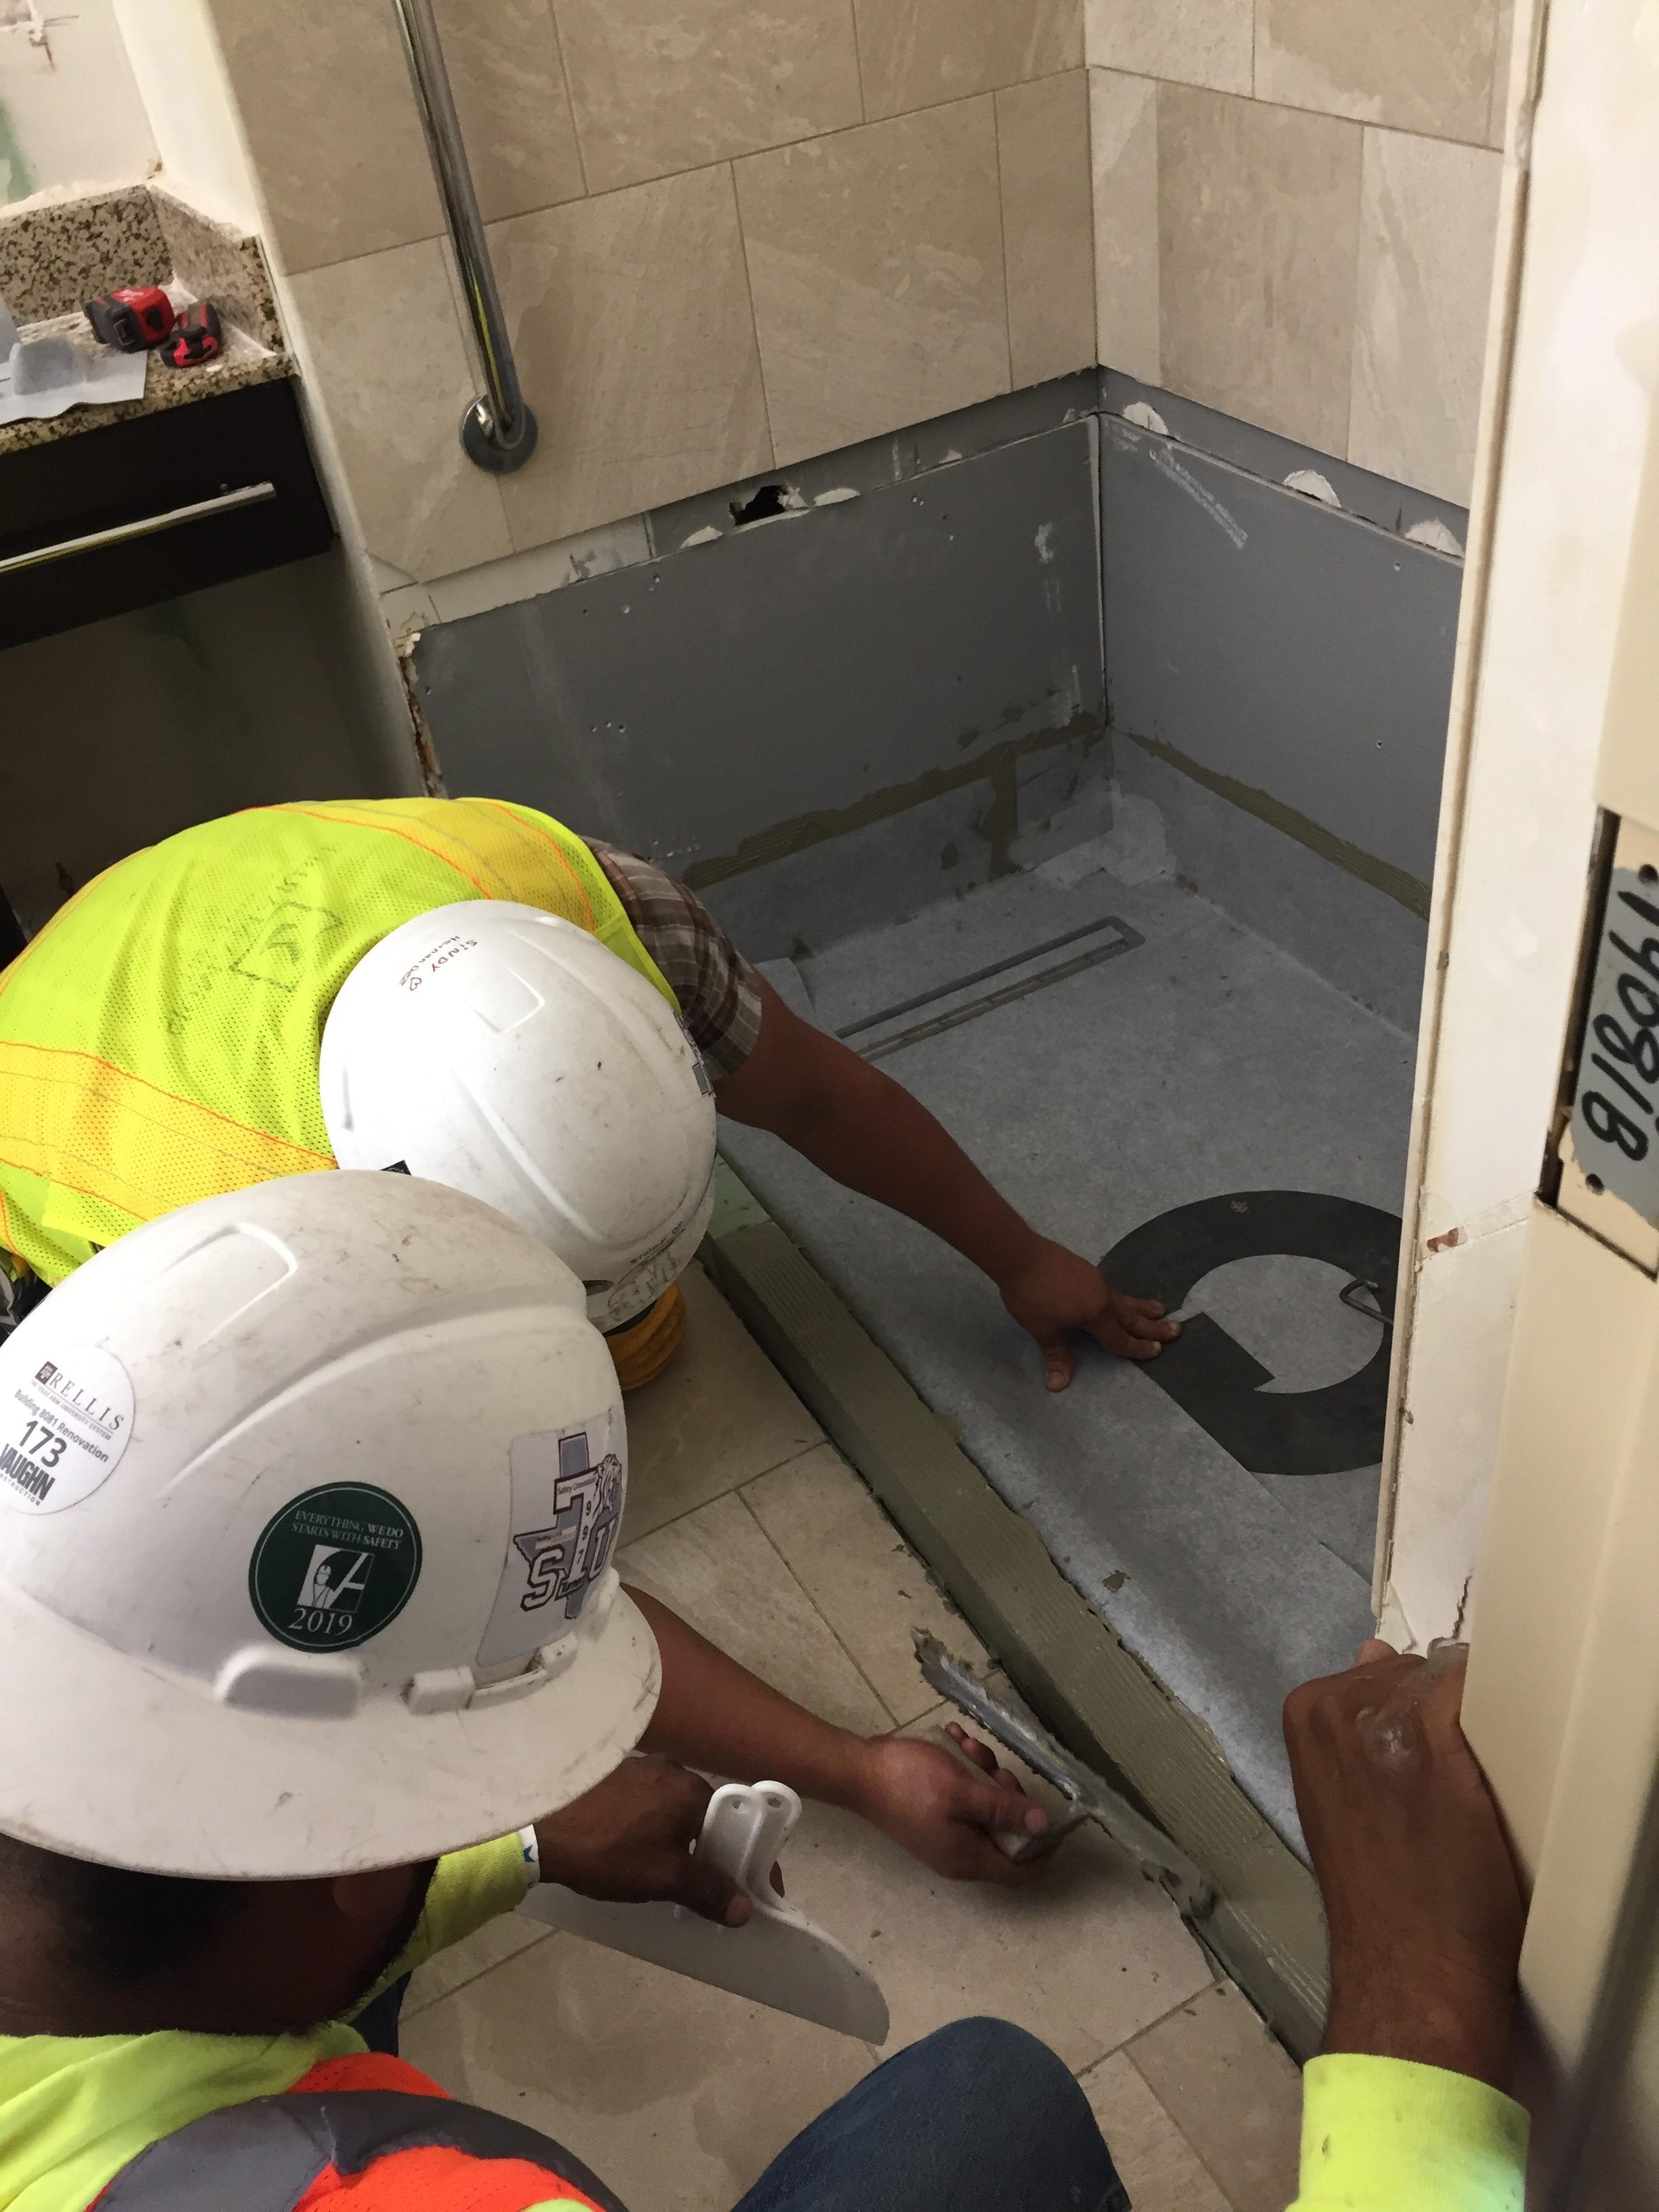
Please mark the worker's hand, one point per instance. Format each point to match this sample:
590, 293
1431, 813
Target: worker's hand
629, 1840
1055, 1293
1420, 1891
919, 1795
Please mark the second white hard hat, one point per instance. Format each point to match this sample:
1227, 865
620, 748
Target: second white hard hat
506, 1052
307, 1499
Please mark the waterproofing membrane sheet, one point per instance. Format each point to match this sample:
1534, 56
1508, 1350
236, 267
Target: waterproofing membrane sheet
1158, 1054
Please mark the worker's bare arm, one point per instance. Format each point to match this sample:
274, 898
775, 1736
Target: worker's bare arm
1420, 1891
715, 1714
867, 1131
629, 1840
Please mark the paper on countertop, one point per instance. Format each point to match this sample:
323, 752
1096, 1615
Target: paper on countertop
101, 378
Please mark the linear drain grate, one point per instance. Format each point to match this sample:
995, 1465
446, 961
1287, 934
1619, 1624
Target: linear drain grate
1111, 937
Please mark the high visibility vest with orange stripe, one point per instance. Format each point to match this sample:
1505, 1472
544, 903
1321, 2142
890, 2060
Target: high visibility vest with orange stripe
159, 1038
370, 2133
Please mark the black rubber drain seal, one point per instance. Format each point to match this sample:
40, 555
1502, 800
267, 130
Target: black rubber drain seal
1211, 1377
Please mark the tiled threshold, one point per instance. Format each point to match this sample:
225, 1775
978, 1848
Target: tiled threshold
1267, 1927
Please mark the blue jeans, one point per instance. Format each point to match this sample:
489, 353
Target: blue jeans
979, 2118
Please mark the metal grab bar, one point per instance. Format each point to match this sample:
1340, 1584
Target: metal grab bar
498, 431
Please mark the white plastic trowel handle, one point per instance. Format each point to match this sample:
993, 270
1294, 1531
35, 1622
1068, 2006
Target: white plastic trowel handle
743, 1832
777, 1958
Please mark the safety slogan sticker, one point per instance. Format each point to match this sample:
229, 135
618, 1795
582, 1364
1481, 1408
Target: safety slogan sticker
64, 1428
567, 1507
335, 1566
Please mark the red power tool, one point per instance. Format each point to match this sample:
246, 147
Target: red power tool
197, 335
131, 318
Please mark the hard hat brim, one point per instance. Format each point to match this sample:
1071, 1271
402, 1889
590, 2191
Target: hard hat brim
232, 1794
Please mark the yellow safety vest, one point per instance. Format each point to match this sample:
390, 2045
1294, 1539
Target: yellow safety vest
159, 1037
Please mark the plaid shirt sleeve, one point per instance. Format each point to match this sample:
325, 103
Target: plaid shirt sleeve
718, 990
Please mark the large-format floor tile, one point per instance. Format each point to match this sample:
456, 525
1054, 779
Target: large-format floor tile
660, 86
394, 376
1418, 65
1158, 2166
492, 1945
1233, 2094
859, 1572
1259, 222
876, 262
1085, 1953
917, 52
630, 317
717, 1416
675, 2094
1428, 227
719, 1571
1205, 42
1123, 134
1048, 225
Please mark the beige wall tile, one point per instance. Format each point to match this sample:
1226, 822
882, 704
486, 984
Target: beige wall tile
1158, 2166
676, 2094
1232, 2092
860, 1573
1418, 65
393, 375
1428, 228
717, 1568
1048, 225
1259, 220
1123, 128
324, 97
664, 85
717, 1416
916, 53
508, 80
631, 321
1205, 42
876, 262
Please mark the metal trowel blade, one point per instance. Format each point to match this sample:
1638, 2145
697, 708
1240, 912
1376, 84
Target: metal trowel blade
1145, 1843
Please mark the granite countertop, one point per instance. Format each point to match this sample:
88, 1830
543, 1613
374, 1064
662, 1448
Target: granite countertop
54, 254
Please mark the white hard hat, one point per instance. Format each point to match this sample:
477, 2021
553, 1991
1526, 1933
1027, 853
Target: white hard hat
508, 1053
307, 1499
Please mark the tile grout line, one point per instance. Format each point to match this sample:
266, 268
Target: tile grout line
858, 59
738, 1487
753, 316
894, 1725
433, 2003
1002, 232
570, 99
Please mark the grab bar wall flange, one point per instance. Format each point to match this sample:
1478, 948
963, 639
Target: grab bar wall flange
498, 431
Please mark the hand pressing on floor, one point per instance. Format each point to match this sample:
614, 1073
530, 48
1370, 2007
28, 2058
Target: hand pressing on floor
1053, 1294
851, 1119
942, 1813
1420, 1891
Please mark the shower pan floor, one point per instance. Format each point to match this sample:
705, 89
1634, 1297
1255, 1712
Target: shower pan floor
1107, 1051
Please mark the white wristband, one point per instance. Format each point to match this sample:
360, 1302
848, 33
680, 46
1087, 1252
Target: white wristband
532, 1857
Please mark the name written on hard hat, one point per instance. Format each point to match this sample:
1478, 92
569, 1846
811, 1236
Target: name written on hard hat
64, 1428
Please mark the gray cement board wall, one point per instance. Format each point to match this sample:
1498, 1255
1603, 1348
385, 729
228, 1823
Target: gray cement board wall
1295, 650
737, 700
